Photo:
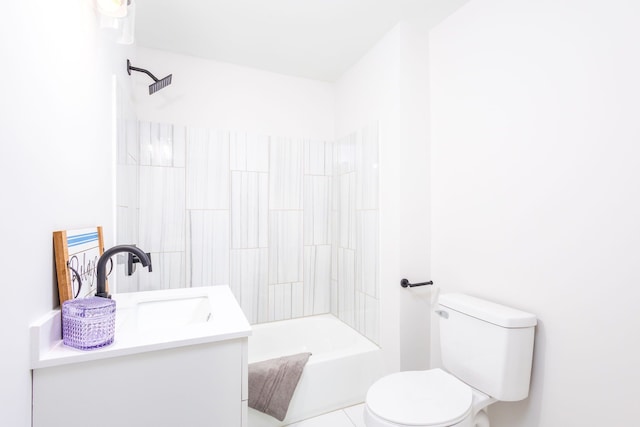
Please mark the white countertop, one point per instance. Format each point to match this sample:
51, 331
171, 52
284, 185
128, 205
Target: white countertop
227, 322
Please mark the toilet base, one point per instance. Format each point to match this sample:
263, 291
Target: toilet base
481, 419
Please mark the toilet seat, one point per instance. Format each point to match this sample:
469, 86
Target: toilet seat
430, 398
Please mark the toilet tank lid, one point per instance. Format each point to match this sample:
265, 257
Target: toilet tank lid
491, 312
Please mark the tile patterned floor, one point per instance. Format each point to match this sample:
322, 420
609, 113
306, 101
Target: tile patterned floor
347, 417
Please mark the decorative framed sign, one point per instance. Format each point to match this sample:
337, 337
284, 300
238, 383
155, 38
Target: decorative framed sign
76, 255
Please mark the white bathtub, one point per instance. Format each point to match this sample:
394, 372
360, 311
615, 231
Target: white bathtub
342, 367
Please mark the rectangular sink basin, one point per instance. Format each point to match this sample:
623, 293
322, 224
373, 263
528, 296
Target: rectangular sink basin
172, 313
163, 311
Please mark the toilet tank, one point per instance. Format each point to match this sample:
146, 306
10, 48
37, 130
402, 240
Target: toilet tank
488, 346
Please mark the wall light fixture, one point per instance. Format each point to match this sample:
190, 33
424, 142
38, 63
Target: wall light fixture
113, 8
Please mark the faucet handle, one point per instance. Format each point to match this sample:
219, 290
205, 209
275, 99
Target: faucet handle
133, 259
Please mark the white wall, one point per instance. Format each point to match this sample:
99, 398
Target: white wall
230, 97
388, 85
55, 115
536, 165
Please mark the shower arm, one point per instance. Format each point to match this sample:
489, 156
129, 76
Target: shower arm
141, 70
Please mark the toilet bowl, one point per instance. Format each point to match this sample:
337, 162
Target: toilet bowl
487, 352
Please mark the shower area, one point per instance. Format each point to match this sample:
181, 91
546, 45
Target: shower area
290, 224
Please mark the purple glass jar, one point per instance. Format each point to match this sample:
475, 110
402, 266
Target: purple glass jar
88, 323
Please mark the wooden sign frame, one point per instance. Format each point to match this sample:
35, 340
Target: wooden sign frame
76, 255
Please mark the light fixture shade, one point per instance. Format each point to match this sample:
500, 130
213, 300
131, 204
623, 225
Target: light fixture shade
112, 8
127, 31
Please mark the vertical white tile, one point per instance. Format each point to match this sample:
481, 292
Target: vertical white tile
249, 282
126, 233
359, 312
239, 201
121, 140
162, 209
335, 242
308, 210
271, 314
208, 169
297, 299
346, 286
179, 146
260, 278
285, 247
144, 143
156, 144
329, 158
249, 152
126, 225
263, 210
164, 152
134, 230
168, 272
334, 297
372, 319
286, 299
335, 191
127, 185
346, 155
249, 211
260, 288
322, 290
309, 276
317, 280
123, 283
276, 299
257, 153
132, 144
237, 259
317, 191
347, 210
122, 225
314, 157
174, 269
208, 248
280, 301
285, 173
367, 252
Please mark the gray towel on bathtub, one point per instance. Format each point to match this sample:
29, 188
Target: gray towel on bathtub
272, 383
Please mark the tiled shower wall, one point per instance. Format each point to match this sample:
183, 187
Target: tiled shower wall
355, 235
291, 225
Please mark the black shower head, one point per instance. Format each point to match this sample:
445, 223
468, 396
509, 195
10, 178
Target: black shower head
157, 84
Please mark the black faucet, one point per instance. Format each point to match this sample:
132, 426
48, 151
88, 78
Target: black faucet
101, 268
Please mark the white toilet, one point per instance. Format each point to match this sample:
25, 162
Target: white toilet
487, 350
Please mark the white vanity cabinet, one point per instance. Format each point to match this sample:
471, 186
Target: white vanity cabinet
196, 386
195, 378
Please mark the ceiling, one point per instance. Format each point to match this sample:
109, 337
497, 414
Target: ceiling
317, 39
